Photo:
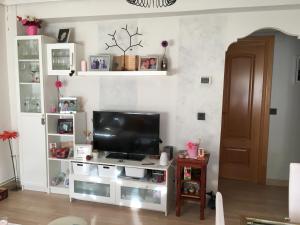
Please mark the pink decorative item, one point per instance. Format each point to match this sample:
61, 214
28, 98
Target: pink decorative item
192, 149
31, 23
32, 30
83, 65
53, 109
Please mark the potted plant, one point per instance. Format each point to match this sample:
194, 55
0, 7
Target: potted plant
31, 23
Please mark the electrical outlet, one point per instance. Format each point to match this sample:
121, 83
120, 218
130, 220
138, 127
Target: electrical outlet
201, 116
205, 80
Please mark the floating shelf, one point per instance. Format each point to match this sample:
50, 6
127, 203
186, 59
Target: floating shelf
61, 135
28, 60
121, 73
29, 83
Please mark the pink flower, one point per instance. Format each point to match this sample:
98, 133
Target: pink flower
24, 21
58, 84
190, 145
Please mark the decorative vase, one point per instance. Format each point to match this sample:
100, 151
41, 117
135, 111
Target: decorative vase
164, 64
32, 30
83, 66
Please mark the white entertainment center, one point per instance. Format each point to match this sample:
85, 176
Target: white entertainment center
100, 180
103, 180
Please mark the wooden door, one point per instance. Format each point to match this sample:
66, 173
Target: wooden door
246, 99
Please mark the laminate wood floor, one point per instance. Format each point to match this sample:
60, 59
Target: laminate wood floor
240, 198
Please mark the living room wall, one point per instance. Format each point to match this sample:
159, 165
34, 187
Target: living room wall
198, 49
5, 163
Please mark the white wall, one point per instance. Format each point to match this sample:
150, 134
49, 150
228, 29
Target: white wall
5, 163
284, 141
200, 42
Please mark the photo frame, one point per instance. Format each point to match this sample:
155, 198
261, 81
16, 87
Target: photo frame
148, 63
68, 105
297, 74
100, 62
65, 126
64, 35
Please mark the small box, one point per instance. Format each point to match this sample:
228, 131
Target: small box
131, 63
3, 193
106, 171
135, 172
85, 169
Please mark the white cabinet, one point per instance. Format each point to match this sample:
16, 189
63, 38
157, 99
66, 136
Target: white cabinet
92, 188
32, 153
114, 187
141, 195
63, 59
58, 165
32, 143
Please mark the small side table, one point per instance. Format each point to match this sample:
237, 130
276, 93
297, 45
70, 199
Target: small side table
199, 179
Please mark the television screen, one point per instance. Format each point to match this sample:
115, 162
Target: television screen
126, 132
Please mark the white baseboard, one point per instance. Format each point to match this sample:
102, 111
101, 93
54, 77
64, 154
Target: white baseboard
279, 183
11, 180
31, 187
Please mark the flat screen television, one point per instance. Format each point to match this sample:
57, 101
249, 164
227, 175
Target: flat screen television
126, 132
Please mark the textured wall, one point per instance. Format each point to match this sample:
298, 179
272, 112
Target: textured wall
5, 163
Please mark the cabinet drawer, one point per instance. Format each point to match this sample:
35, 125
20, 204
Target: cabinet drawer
85, 169
92, 189
106, 171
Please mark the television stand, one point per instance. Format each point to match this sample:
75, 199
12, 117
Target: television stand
126, 156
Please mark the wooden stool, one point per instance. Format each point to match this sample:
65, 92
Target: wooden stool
200, 180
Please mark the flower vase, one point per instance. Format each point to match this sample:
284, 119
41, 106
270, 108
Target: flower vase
32, 30
164, 64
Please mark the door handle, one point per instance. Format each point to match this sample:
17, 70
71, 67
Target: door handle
43, 121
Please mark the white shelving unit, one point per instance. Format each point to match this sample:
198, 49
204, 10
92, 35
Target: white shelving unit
121, 73
57, 165
118, 189
34, 97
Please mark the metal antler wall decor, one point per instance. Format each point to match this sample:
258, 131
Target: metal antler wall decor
152, 3
131, 44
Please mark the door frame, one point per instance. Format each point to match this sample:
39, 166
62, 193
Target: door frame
268, 42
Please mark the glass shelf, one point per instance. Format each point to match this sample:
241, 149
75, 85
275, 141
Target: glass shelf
28, 49
29, 72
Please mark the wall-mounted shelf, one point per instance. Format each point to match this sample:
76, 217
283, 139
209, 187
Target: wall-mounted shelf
121, 73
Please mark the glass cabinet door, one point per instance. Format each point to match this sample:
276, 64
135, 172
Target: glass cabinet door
90, 188
28, 49
60, 59
29, 75
140, 195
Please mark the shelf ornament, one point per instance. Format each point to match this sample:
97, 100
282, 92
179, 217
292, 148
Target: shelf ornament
8, 136
130, 46
31, 23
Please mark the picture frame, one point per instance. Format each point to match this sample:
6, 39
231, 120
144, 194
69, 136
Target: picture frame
68, 105
297, 73
100, 62
65, 126
148, 63
64, 35
81, 151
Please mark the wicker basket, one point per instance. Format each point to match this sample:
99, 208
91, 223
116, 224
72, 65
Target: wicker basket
3, 193
131, 63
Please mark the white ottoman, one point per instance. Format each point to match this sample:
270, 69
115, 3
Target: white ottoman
69, 220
